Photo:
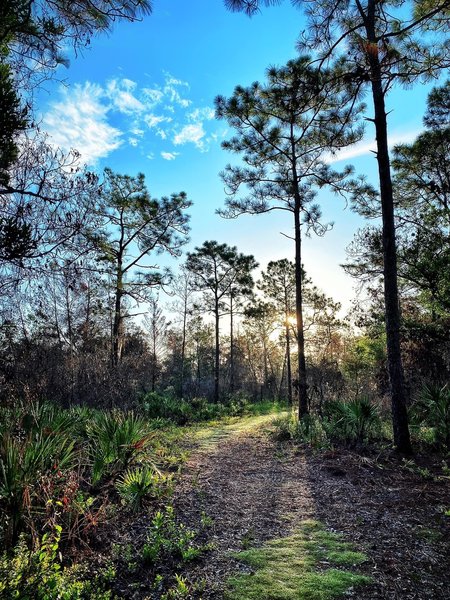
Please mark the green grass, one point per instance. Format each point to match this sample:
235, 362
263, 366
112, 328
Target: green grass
299, 567
207, 437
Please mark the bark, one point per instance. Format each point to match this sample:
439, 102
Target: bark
183, 349
231, 345
391, 298
288, 350
118, 319
154, 357
217, 352
302, 387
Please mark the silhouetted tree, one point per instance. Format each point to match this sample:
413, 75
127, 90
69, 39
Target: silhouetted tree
45, 203
134, 226
182, 289
218, 269
278, 285
156, 328
12, 122
259, 325
422, 202
283, 129
241, 289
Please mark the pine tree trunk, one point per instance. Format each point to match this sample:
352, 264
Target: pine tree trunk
217, 354
183, 349
302, 387
288, 352
231, 345
391, 298
118, 319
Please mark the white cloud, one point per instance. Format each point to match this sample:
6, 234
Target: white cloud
142, 117
153, 95
201, 114
365, 147
119, 92
169, 155
80, 121
171, 92
190, 133
153, 120
170, 80
128, 84
136, 131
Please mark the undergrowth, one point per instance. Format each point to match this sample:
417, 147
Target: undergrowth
66, 472
351, 423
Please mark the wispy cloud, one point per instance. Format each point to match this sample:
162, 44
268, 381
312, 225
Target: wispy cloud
365, 147
79, 121
190, 133
153, 96
201, 114
154, 120
172, 88
97, 119
120, 93
169, 155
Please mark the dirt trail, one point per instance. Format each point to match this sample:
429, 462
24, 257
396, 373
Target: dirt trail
253, 489
251, 495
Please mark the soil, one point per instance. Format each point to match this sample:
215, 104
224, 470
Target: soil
255, 489
244, 488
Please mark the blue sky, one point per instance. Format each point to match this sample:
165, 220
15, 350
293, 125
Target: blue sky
141, 100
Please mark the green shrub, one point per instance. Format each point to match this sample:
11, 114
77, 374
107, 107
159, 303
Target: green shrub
158, 406
432, 410
352, 422
167, 408
308, 430
138, 484
24, 461
169, 539
116, 439
38, 575
179, 590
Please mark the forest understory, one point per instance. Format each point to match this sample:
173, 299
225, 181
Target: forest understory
251, 488
182, 421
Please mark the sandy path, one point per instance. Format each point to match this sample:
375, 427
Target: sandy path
251, 494
254, 489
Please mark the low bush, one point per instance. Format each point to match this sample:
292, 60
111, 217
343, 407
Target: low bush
168, 539
142, 483
352, 422
430, 415
164, 407
30, 457
308, 430
38, 575
116, 439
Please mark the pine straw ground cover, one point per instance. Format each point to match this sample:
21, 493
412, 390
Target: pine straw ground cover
253, 490
238, 520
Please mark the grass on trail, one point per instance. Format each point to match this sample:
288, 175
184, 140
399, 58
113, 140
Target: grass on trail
172, 444
207, 438
298, 567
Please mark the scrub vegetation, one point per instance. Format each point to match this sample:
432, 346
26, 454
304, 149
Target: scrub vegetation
216, 430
